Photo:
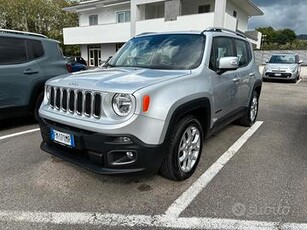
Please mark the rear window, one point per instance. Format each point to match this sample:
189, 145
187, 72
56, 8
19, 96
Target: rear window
35, 49
12, 51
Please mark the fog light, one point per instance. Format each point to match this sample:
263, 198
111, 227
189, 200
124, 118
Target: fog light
123, 140
130, 155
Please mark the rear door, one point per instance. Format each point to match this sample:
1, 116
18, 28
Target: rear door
18, 71
245, 71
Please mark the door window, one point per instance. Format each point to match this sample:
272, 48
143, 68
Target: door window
243, 52
12, 51
123, 16
222, 47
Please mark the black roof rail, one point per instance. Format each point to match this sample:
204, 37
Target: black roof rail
220, 29
22, 33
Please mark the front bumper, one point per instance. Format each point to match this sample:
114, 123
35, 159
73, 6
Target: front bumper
280, 75
100, 153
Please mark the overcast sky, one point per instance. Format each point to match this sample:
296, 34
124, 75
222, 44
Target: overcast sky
281, 14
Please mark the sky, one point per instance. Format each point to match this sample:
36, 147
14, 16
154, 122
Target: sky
281, 14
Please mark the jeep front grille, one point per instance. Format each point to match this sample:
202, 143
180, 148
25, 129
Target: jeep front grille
79, 102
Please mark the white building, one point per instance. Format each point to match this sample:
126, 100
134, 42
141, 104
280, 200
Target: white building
105, 25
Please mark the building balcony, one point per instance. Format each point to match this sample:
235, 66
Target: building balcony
98, 34
183, 23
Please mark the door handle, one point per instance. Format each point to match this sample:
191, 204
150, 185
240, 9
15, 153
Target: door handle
252, 74
236, 80
30, 71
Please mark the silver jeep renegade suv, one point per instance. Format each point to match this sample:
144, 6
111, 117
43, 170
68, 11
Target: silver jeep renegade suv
152, 106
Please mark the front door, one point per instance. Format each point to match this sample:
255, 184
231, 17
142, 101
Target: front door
94, 56
225, 85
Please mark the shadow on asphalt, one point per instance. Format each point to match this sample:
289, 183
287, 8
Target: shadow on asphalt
16, 122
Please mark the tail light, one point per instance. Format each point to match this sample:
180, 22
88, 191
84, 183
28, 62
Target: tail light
69, 68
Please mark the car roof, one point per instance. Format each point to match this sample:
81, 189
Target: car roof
25, 35
210, 30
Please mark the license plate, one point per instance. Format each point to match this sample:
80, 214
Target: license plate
63, 138
277, 74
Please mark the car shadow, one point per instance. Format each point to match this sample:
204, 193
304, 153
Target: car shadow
16, 122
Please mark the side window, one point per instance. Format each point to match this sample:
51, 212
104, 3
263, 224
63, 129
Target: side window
12, 51
221, 47
35, 49
243, 52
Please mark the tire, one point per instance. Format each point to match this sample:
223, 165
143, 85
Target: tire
251, 114
38, 103
182, 159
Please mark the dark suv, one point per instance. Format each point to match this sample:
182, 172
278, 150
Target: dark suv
27, 61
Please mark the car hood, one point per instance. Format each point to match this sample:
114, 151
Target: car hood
281, 66
120, 80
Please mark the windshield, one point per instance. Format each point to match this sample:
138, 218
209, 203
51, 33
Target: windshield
283, 59
171, 51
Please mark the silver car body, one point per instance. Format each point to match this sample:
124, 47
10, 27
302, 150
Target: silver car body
168, 89
124, 118
276, 68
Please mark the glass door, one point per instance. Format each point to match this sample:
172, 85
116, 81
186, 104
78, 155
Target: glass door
94, 56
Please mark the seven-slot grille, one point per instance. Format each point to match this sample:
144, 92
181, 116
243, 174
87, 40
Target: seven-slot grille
81, 102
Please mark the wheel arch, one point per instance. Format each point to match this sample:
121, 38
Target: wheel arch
37, 89
200, 108
258, 87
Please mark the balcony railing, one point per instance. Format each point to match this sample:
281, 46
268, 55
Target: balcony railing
109, 33
183, 23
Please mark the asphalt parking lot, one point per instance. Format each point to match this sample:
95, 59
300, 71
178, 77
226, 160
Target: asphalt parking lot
247, 179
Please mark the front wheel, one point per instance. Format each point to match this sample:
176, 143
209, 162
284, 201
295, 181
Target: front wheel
184, 150
252, 112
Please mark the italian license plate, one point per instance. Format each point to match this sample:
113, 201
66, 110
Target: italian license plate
62, 138
277, 74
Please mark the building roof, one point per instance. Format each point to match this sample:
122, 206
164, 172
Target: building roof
248, 6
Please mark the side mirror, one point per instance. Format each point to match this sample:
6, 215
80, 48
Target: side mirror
228, 63
301, 62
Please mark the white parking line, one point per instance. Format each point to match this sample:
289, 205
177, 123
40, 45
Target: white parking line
170, 219
159, 221
188, 196
19, 134
298, 81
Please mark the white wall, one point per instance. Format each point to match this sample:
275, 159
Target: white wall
107, 50
187, 22
106, 15
241, 15
111, 33
84, 52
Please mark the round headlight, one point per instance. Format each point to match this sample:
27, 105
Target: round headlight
293, 69
122, 104
48, 91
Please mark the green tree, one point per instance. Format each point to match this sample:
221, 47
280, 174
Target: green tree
39, 16
279, 39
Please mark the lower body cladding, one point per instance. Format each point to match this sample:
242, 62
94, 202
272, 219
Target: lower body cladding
103, 154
